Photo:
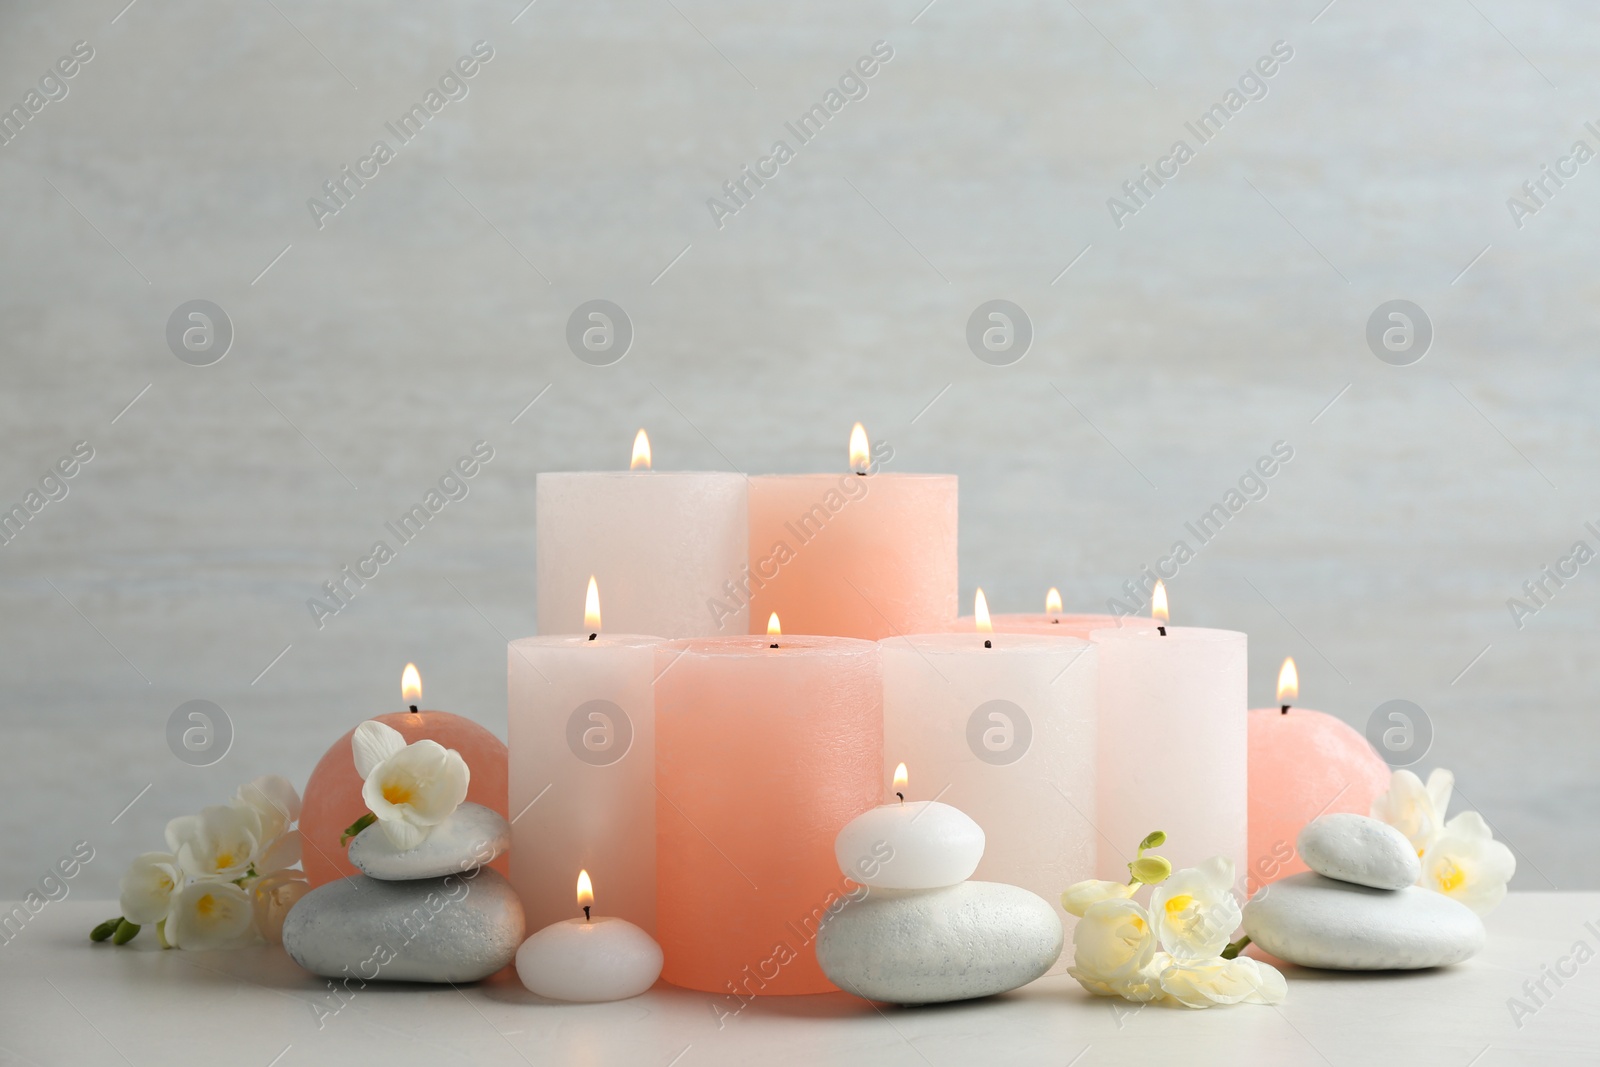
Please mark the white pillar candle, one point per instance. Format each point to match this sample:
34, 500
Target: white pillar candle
589, 960
1174, 745
581, 719
1005, 733
665, 545
915, 844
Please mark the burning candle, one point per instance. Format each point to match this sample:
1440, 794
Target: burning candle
1303, 764
920, 844
766, 746
662, 543
862, 554
332, 798
589, 960
1057, 623
1173, 742
1005, 725
582, 782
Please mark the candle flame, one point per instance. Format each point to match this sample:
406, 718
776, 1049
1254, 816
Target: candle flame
1158, 602
773, 629
591, 607
1288, 682
1052, 601
860, 449
410, 684
980, 614
901, 778
641, 451
585, 890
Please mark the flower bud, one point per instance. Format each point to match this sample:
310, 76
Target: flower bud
1151, 870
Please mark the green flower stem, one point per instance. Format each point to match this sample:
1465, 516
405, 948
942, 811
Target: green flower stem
356, 827
1233, 950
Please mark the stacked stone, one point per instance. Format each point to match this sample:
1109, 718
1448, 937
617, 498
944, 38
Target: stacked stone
1359, 907
433, 913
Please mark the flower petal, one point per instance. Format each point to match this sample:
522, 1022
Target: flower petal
280, 854
1077, 898
374, 742
209, 914
147, 890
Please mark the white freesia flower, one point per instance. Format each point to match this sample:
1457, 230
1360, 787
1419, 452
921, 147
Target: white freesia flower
217, 843
1194, 911
1077, 898
410, 788
279, 855
153, 879
273, 801
1204, 982
273, 896
1467, 863
209, 914
1414, 809
1112, 944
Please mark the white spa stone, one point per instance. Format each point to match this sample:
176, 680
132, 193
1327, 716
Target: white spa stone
459, 928
1319, 922
588, 961
974, 939
921, 844
1355, 848
472, 836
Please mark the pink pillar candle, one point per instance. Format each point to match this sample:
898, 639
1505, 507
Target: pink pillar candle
663, 544
867, 554
581, 720
1173, 745
1006, 734
762, 756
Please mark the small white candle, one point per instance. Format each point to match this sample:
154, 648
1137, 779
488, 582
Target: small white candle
591, 959
922, 844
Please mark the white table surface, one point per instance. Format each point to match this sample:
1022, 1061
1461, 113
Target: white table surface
66, 1001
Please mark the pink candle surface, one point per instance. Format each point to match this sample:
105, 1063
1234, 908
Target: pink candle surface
868, 555
762, 756
1303, 764
1173, 745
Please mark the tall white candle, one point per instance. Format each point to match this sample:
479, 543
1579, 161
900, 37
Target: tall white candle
582, 772
1174, 746
1005, 733
665, 545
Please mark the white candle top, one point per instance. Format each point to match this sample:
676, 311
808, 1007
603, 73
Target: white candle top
919, 844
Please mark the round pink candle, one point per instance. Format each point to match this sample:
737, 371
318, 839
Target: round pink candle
763, 755
856, 554
1303, 764
1054, 622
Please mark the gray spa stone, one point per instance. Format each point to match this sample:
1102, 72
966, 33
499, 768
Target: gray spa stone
926, 946
473, 836
1355, 848
1319, 922
459, 928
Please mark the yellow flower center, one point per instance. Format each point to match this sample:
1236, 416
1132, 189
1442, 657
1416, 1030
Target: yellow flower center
224, 860
1178, 903
205, 906
1450, 877
397, 793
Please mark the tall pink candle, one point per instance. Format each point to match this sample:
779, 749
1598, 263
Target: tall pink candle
1173, 745
762, 756
868, 555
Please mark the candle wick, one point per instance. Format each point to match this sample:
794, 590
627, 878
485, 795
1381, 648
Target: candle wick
773, 645
586, 913
1285, 710
1162, 630
987, 643
413, 709
593, 636
1055, 622
902, 797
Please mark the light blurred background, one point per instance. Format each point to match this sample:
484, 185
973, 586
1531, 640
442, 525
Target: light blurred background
1229, 313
